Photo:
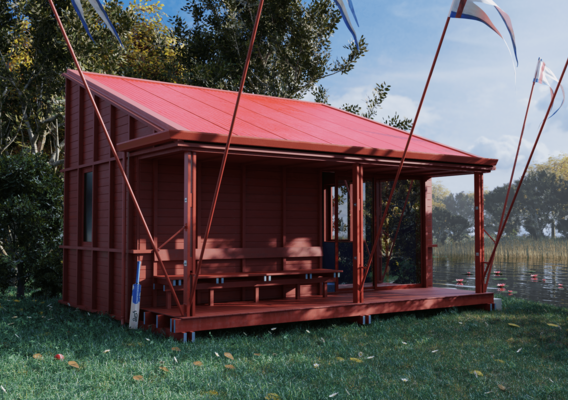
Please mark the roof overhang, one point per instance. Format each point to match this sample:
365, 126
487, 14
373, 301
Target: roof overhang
170, 136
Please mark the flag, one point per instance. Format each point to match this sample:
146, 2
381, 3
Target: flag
345, 15
353, 12
102, 14
466, 9
542, 75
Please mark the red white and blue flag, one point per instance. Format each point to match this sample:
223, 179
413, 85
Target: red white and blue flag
345, 15
102, 14
466, 9
543, 75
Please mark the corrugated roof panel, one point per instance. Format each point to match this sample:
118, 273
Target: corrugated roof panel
210, 111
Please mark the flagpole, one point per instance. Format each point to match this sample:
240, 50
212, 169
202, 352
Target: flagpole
225, 155
398, 172
500, 233
113, 150
516, 158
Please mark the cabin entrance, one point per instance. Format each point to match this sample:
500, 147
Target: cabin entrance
398, 256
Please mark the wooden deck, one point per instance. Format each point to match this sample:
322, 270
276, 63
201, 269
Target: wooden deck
337, 305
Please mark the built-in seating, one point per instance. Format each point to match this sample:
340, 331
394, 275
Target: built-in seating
230, 280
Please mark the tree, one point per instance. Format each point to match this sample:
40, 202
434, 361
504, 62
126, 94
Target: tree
439, 194
31, 223
447, 226
292, 51
33, 56
373, 104
494, 201
542, 202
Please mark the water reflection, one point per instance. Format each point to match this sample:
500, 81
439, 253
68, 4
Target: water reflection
532, 281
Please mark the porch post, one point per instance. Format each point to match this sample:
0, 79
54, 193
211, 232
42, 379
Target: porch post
357, 223
479, 234
189, 213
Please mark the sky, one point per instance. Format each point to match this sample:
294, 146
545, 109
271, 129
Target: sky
477, 100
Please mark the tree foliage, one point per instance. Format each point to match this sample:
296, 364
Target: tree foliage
31, 223
33, 55
292, 51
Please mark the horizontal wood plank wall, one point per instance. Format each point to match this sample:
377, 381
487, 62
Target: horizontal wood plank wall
272, 197
92, 271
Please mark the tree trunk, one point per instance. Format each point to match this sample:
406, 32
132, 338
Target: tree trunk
21, 289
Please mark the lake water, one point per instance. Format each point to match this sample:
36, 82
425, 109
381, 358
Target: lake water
515, 276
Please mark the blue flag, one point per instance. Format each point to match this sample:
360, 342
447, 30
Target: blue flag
345, 15
102, 14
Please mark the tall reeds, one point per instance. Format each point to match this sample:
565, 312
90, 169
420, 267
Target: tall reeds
509, 250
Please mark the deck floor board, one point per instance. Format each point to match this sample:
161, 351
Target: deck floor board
336, 305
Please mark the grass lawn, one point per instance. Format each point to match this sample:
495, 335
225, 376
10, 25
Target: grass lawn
414, 355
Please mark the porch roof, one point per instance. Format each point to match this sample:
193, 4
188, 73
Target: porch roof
189, 113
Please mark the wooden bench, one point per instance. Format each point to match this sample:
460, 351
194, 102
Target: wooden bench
256, 280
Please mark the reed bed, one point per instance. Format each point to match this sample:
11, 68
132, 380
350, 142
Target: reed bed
509, 250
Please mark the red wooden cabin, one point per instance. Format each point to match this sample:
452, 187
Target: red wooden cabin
300, 199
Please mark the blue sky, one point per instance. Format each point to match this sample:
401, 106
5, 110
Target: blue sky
474, 102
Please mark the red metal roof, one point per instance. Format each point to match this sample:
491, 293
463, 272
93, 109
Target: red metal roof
197, 109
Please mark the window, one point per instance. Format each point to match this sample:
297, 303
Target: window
340, 217
88, 207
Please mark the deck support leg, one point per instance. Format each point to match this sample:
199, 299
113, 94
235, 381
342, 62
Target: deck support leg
358, 255
256, 294
298, 292
211, 297
479, 235
324, 289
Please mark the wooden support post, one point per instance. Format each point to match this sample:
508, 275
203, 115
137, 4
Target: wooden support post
427, 275
189, 232
479, 234
357, 227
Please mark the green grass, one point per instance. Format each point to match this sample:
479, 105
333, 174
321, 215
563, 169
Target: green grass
465, 341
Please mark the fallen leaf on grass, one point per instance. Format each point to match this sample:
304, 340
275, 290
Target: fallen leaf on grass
501, 361
217, 354
370, 357
307, 331
138, 377
316, 365
356, 359
501, 387
257, 354
333, 394
14, 317
11, 323
175, 359
229, 355
164, 369
434, 351
3, 389
518, 351
198, 363
404, 379
213, 392
106, 351
73, 364
404, 343
37, 356
477, 373
272, 396
229, 366
514, 325
176, 349
510, 340
273, 329
340, 358
554, 325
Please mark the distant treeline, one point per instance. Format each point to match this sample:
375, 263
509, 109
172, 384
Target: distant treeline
540, 211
